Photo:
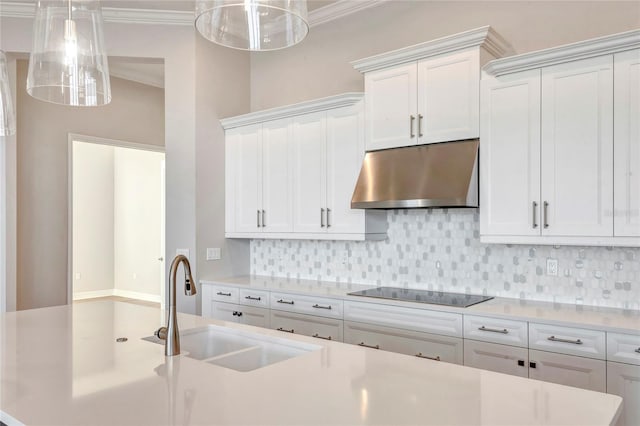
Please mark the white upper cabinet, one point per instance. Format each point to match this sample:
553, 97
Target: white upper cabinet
291, 171
577, 148
627, 143
560, 150
510, 163
429, 92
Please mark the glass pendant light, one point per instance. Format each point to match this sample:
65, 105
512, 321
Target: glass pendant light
68, 64
255, 25
7, 113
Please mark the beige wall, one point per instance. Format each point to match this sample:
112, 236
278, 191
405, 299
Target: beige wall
319, 66
136, 114
93, 214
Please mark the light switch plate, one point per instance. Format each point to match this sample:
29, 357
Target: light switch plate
184, 252
213, 254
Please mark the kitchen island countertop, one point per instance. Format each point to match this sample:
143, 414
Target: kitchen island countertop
62, 365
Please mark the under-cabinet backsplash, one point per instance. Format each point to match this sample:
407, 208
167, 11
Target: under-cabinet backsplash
441, 250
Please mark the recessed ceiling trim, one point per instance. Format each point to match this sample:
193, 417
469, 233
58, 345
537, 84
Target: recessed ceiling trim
322, 15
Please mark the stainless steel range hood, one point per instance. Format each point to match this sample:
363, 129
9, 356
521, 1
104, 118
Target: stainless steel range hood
435, 175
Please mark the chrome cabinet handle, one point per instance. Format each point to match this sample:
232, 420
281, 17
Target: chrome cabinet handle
368, 346
493, 330
557, 339
237, 314
419, 355
223, 294
321, 307
411, 120
321, 218
545, 214
252, 298
328, 217
535, 210
317, 336
258, 219
285, 330
638, 350
420, 117
288, 302
264, 220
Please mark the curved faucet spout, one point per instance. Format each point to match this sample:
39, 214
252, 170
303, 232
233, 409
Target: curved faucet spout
172, 342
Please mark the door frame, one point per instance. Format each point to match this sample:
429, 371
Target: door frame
98, 141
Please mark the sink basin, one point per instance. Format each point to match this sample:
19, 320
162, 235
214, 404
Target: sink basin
235, 349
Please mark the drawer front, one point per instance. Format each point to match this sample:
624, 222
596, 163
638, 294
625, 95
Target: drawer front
233, 312
567, 340
496, 330
422, 345
259, 298
224, 294
623, 348
423, 320
308, 325
568, 370
317, 306
494, 357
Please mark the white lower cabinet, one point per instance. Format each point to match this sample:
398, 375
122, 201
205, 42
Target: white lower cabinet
422, 345
585, 373
624, 380
231, 312
495, 357
308, 325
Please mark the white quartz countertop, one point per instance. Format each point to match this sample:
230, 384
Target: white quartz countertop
592, 317
62, 365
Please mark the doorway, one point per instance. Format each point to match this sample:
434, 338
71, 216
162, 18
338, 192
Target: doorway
117, 220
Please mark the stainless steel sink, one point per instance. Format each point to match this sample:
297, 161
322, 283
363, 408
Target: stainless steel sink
235, 349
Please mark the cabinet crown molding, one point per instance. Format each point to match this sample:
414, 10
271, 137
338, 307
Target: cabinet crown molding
306, 107
484, 37
570, 52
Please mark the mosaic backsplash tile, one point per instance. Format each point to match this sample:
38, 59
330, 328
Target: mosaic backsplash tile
441, 250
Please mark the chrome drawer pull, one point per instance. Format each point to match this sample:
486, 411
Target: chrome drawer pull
321, 307
493, 330
288, 302
223, 294
412, 118
556, 339
535, 208
638, 350
368, 346
545, 215
419, 355
285, 330
253, 298
317, 336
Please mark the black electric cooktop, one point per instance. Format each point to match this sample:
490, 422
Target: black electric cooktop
423, 296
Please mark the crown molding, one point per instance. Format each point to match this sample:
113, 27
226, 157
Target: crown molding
307, 107
340, 9
570, 52
137, 76
484, 37
110, 14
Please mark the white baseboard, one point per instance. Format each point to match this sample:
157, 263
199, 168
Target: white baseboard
81, 295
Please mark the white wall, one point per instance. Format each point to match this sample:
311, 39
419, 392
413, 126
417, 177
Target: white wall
93, 217
137, 220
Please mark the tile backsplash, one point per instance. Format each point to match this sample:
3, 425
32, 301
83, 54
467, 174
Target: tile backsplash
441, 250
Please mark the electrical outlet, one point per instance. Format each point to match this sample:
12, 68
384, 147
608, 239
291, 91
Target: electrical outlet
213, 254
552, 267
184, 252
78, 276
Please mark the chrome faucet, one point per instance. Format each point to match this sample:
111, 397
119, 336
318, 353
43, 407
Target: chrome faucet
170, 333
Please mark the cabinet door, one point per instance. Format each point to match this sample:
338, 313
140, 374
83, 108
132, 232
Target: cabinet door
585, 373
277, 207
309, 173
248, 170
627, 143
390, 104
510, 160
577, 148
345, 151
495, 357
448, 91
624, 380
